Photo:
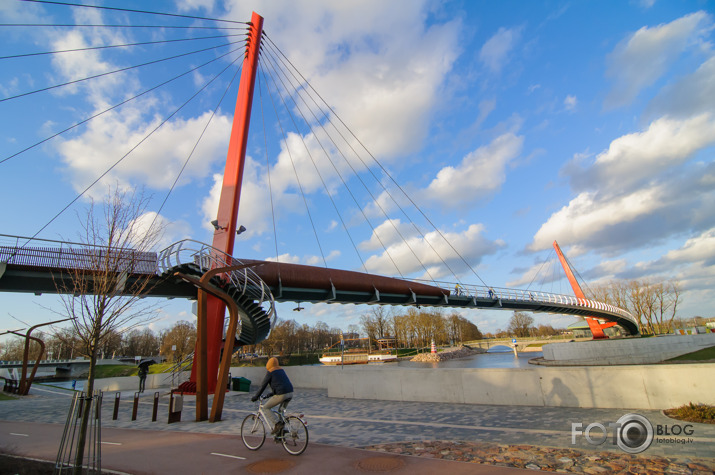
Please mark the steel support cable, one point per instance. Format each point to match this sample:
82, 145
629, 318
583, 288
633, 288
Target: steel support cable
208, 122
327, 155
386, 172
409, 220
268, 172
295, 171
115, 71
580, 277
93, 48
98, 7
355, 173
122, 158
115, 106
74, 25
539, 271
348, 188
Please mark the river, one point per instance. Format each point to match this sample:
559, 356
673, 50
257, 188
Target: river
492, 359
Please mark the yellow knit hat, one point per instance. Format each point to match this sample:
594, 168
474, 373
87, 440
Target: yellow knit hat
272, 364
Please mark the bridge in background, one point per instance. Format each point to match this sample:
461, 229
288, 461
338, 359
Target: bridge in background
40, 267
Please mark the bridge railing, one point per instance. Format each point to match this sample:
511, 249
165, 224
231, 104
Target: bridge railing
206, 257
521, 295
64, 255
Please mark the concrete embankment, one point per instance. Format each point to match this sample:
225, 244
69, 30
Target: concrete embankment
637, 387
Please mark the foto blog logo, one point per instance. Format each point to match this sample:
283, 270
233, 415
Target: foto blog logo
632, 433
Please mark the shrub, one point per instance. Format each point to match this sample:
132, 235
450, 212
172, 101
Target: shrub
693, 413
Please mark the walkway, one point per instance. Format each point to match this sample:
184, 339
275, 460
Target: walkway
339, 428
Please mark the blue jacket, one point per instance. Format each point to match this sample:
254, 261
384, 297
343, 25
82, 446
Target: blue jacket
279, 382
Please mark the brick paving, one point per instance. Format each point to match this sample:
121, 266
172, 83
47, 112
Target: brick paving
510, 436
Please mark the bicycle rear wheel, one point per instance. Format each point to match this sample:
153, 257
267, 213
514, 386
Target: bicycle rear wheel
253, 432
295, 436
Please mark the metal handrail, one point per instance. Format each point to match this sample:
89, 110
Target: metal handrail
501, 293
206, 258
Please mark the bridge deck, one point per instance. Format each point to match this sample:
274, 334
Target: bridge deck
39, 270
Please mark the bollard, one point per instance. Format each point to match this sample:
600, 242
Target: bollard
80, 410
136, 406
175, 406
116, 406
156, 406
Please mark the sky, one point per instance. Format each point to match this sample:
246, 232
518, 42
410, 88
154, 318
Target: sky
509, 125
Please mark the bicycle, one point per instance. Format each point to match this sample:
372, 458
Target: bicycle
293, 435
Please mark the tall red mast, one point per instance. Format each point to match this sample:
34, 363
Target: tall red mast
594, 325
209, 343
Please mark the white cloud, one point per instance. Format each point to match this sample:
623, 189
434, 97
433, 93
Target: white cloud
639, 60
286, 258
481, 172
536, 274
638, 158
699, 248
679, 203
156, 162
388, 233
188, 5
381, 52
570, 102
495, 52
694, 94
417, 253
173, 231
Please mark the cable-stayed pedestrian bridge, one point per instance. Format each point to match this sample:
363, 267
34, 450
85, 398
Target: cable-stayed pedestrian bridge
40, 266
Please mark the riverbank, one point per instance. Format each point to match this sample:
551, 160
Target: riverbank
448, 354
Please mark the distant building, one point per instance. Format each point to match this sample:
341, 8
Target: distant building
386, 343
580, 330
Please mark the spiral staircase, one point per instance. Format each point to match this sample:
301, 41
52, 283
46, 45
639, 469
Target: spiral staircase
252, 296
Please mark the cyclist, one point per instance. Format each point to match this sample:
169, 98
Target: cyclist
282, 390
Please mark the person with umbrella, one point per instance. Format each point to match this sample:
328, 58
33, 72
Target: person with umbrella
143, 371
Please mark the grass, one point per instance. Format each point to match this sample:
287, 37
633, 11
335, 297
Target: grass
700, 355
120, 370
693, 413
6, 397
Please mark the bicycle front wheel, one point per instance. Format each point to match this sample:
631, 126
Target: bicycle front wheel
253, 433
295, 436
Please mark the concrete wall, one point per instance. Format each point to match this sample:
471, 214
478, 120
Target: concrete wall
637, 387
131, 383
627, 351
309, 377
634, 387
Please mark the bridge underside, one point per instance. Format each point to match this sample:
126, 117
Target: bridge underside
295, 283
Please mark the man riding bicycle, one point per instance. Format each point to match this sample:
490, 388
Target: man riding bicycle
282, 392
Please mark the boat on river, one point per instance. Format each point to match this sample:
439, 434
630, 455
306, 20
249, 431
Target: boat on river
356, 358
337, 356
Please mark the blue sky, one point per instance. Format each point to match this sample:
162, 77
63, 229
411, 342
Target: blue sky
511, 124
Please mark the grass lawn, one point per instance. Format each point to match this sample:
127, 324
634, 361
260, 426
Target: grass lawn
700, 355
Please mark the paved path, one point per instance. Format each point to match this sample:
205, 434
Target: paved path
338, 428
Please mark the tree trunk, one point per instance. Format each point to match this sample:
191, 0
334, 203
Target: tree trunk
86, 415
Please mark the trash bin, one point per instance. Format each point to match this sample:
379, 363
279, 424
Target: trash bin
241, 384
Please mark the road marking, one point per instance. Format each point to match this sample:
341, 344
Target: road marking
112, 443
20, 435
229, 456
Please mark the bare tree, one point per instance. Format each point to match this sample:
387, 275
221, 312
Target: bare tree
654, 304
520, 324
105, 285
179, 341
